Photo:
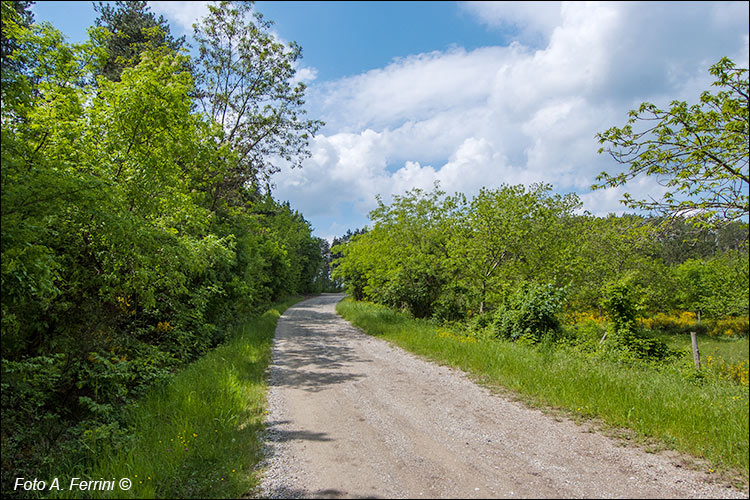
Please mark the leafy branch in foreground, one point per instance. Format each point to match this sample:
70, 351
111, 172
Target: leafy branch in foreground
699, 152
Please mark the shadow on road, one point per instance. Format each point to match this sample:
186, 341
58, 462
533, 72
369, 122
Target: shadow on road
284, 435
311, 351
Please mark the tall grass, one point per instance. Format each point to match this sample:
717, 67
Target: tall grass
705, 417
200, 436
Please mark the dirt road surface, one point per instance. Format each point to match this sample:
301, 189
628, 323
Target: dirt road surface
351, 416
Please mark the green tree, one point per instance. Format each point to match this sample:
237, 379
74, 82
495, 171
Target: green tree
114, 268
715, 287
348, 267
402, 260
351, 266
409, 250
246, 86
680, 240
133, 28
507, 236
607, 249
19, 12
698, 152
327, 283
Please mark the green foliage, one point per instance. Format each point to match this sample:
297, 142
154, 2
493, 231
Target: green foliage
133, 29
199, 433
349, 264
453, 303
530, 314
622, 311
509, 235
400, 261
14, 13
680, 240
620, 306
608, 248
118, 263
325, 282
716, 287
450, 258
699, 152
443, 256
245, 85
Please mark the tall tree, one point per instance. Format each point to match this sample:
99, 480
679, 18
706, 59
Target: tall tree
699, 152
350, 277
134, 28
246, 85
401, 260
509, 234
20, 13
114, 270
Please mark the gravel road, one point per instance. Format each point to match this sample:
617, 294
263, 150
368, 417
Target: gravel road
352, 416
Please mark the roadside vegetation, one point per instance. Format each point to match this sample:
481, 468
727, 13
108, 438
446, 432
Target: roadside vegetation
142, 248
666, 403
594, 315
201, 434
139, 233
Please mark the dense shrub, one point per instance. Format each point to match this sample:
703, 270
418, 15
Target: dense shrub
133, 236
621, 310
729, 326
531, 314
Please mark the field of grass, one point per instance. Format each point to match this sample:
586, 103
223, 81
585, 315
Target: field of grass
732, 350
703, 416
200, 436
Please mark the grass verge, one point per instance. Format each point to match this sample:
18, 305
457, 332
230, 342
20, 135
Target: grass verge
704, 417
200, 436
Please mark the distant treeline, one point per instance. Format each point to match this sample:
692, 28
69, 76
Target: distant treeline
451, 258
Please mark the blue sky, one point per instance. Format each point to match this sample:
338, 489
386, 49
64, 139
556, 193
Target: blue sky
338, 38
472, 94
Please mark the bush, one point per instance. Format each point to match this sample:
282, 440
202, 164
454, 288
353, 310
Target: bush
644, 347
451, 305
480, 322
530, 314
729, 327
621, 310
619, 306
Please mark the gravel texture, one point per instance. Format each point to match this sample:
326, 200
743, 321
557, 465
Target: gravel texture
352, 416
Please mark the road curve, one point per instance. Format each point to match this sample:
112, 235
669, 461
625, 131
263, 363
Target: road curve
352, 416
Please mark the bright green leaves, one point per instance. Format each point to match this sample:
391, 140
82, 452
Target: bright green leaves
514, 248
530, 314
511, 234
403, 257
699, 152
433, 254
132, 29
129, 242
714, 287
245, 84
144, 132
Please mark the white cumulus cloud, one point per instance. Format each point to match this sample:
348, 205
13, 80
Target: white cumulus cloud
521, 113
530, 22
183, 13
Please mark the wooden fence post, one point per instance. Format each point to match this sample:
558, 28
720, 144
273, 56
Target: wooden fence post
696, 354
